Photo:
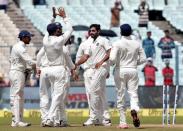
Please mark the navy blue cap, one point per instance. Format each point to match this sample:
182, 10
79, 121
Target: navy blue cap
24, 33
51, 28
126, 30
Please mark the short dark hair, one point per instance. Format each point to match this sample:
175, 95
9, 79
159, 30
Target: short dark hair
126, 30
52, 27
166, 31
97, 26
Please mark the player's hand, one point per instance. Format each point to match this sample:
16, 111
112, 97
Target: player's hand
98, 65
75, 67
74, 75
61, 12
54, 12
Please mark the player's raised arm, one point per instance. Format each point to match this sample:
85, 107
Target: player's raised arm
63, 38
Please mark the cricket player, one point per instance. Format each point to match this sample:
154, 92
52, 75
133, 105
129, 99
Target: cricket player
129, 54
60, 119
19, 59
98, 69
60, 116
53, 43
87, 79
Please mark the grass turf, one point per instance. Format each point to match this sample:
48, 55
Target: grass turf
147, 124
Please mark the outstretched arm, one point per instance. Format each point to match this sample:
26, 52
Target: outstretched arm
82, 60
61, 40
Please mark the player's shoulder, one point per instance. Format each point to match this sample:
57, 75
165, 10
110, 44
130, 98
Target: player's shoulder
19, 45
85, 43
136, 42
117, 43
101, 38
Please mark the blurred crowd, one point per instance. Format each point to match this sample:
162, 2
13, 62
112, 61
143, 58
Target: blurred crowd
166, 44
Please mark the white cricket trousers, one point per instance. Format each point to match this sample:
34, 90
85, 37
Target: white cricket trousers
126, 79
44, 87
88, 79
56, 77
17, 81
60, 112
96, 90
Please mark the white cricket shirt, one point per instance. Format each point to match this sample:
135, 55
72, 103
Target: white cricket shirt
19, 57
97, 50
53, 46
130, 53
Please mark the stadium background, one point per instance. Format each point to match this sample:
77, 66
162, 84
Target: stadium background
22, 14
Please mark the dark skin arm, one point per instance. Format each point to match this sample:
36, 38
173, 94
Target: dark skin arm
98, 65
82, 60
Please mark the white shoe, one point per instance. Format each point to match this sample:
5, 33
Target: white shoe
92, 122
43, 123
56, 124
20, 124
49, 123
106, 122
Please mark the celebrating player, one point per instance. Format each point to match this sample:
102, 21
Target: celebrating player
53, 43
127, 54
96, 55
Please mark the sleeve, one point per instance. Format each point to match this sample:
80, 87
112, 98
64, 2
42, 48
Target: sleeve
61, 40
79, 52
172, 44
68, 60
163, 72
39, 56
154, 50
160, 44
106, 44
113, 54
87, 50
142, 56
25, 56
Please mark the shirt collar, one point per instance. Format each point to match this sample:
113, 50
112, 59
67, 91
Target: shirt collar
96, 39
126, 37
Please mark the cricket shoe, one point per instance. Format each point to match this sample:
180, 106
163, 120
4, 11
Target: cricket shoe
136, 121
90, 122
49, 123
20, 124
61, 124
43, 123
123, 126
106, 122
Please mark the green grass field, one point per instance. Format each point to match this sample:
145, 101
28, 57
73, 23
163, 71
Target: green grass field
147, 124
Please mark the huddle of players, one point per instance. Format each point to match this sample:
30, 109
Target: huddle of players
54, 67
